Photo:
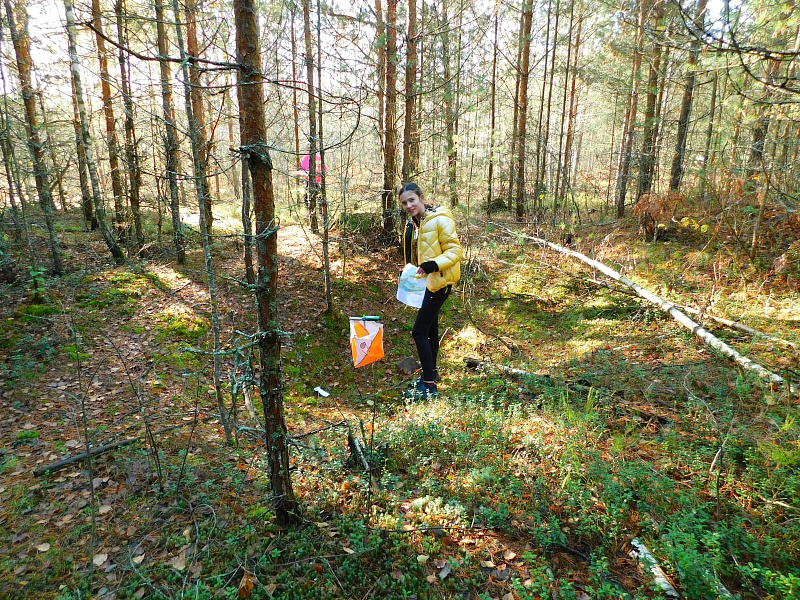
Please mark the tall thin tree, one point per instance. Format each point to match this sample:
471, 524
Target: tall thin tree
409, 168
255, 130
131, 144
98, 199
389, 125
201, 187
311, 181
117, 184
523, 106
171, 164
698, 24
18, 24
198, 107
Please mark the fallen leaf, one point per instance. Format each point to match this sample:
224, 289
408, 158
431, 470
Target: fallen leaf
43, 547
139, 594
509, 555
245, 586
99, 559
348, 550
137, 560
270, 589
431, 578
104, 508
422, 558
178, 562
445, 571
509, 596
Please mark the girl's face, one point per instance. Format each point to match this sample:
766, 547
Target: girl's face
412, 203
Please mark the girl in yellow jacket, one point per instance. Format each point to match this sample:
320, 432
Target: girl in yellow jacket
431, 243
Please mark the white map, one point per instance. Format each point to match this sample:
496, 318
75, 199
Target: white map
411, 287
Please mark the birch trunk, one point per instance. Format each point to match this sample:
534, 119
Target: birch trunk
86, 141
708, 338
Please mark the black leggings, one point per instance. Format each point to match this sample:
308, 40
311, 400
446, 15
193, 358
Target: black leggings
426, 330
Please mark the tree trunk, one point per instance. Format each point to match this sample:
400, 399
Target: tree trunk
326, 225
523, 106
86, 141
57, 172
573, 113
201, 187
131, 144
19, 38
247, 224
449, 113
676, 171
538, 184
9, 163
390, 136
295, 110
709, 137
514, 144
198, 108
117, 185
311, 182
409, 169
170, 135
557, 197
254, 127
647, 162
630, 117
492, 117
83, 173
546, 141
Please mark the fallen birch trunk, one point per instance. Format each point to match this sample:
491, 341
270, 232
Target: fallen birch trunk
646, 558
672, 310
741, 327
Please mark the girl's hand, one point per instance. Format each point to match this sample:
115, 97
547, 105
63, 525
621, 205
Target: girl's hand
428, 267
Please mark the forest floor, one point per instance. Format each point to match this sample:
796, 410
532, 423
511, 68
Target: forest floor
623, 427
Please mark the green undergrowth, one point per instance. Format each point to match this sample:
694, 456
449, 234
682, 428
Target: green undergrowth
480, 494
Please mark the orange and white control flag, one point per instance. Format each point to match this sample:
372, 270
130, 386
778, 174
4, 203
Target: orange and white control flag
366, 340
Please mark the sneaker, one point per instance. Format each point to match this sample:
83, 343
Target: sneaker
421, 391
419, 380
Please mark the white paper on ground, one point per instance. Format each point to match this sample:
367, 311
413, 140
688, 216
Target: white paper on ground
411, 287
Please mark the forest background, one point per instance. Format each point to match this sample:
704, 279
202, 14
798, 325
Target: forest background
195, 198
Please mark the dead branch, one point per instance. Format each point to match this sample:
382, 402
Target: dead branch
477, 364
65, 462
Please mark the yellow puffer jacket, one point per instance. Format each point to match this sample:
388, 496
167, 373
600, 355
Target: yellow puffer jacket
435, 239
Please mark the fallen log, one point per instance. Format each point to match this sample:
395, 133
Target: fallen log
65, 462
646, 558
475, 364
698, 330
70, 460
741, 327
